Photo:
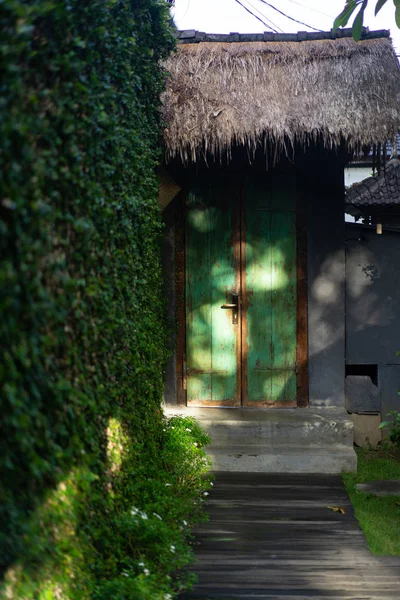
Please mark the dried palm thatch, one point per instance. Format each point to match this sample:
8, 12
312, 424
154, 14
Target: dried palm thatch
222, 94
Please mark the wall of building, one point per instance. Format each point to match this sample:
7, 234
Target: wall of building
373, 308
321, 184
321, 202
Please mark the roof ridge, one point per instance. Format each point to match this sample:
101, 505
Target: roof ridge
192, 36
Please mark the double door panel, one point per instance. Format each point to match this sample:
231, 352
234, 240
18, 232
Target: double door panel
240, 294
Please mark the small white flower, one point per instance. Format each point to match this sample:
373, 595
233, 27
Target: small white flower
187, 429
195, 444
158, 516
146, 572
125, 574
211, 483
134, 511
144, 516
184, 522
141, 564
168, 484
167, 597
172, 548
205, 493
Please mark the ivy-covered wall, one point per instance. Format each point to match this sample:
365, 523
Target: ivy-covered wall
82, 331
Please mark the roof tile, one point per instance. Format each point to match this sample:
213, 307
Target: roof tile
383, 189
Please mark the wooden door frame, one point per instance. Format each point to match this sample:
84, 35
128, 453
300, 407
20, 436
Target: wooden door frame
180, 277
301, 302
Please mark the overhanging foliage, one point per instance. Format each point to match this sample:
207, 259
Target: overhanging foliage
352, 5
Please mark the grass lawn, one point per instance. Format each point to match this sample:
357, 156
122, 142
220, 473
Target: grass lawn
378, 517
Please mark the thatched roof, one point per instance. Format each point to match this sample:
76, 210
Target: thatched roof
252, 92
381, 190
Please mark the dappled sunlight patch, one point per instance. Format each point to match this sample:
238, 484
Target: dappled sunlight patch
201, 217
117, 443
330, 280
54, 564
150, 522
271, 276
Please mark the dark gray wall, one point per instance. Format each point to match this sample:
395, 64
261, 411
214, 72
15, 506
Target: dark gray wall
372, 296
323, 191
373, 307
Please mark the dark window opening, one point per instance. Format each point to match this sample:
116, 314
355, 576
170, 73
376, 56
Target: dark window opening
366, 370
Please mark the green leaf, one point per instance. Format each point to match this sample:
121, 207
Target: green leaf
358, 24
384, 424
337, 23
397, 14
342, 19
379, 5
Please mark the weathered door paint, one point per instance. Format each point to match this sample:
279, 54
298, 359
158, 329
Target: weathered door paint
213, 371
269, 293
244, 243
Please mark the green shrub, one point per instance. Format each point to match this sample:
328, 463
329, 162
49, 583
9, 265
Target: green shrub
184, 456
123, 536
394, 425
82, 336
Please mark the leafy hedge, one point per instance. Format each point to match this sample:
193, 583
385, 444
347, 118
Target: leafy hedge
82, 332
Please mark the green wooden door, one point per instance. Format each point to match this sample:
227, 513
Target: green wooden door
269, 293
213, 372
241, 248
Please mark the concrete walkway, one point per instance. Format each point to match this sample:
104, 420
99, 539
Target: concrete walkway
272, 536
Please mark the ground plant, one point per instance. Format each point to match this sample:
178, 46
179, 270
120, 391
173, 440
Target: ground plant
95, 501
379, 517
394, 427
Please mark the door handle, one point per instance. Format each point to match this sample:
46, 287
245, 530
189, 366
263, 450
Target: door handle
234, 306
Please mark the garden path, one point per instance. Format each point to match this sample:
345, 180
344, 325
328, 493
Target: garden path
274, 537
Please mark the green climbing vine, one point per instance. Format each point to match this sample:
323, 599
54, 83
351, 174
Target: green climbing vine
82, 340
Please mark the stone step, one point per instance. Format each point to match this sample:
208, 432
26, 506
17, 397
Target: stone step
277, 440
331, 459
296, 427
